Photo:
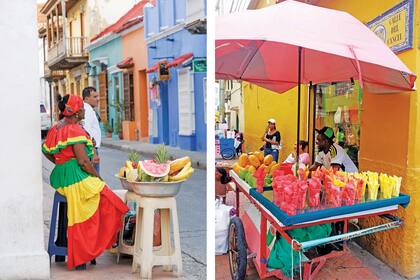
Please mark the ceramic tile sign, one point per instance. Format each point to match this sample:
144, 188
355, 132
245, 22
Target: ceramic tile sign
395, 26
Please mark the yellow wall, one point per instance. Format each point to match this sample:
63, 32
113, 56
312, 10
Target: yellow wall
389, 142
261, 104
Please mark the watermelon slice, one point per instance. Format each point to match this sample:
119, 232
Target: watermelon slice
149, 170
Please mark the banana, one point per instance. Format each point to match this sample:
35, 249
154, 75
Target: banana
122, 172
178, 164
128, 165
182, 174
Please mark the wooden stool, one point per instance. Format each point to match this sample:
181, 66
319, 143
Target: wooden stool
144, 256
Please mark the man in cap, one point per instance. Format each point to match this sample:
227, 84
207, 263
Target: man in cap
331, 154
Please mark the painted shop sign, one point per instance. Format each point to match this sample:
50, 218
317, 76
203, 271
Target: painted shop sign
199, 65
395, 26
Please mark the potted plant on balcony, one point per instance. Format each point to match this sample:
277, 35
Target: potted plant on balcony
108, 129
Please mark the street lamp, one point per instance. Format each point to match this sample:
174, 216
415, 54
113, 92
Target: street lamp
87, 68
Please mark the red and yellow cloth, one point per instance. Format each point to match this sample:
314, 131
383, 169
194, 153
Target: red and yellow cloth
94, 211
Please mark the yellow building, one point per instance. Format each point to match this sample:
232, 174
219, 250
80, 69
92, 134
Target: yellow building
389, 132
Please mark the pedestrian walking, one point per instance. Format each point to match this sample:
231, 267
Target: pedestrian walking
272, 140
92, 120
94, 211
239, 141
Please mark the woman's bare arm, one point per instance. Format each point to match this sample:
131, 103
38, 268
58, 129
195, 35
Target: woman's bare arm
83, 159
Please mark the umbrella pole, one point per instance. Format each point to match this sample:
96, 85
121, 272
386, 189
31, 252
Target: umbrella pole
308, 114
313, 126
298, 115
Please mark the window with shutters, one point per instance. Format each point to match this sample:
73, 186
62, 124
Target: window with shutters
186, 108
128, 97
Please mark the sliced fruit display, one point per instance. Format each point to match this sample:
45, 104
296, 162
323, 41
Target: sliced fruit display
153, 169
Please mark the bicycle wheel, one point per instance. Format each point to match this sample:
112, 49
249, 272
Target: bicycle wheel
228, 153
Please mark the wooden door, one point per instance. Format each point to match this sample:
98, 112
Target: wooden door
126, 89
103, 97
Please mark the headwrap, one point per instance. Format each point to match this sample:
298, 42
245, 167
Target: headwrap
74, 104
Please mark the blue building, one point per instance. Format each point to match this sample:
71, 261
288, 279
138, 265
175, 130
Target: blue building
177, 73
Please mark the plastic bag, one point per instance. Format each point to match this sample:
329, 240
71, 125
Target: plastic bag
222, 220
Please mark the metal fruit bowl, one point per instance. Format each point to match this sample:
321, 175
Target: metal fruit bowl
156, 189
124, 183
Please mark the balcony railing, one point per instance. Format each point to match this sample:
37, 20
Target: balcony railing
64, 50
53, 74
76, 46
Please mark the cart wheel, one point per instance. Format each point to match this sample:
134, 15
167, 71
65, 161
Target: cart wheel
228, 153
237, 249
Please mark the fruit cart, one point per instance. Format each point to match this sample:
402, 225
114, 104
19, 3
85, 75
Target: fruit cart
248, 231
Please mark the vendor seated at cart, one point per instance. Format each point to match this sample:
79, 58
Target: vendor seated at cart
272, 140
303, 154
331, 154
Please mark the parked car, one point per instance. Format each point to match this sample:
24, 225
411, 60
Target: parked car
45, 121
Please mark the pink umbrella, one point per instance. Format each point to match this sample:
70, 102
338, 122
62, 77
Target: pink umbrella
284, 45
262, 46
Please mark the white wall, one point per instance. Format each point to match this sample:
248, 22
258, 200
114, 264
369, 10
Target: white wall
103, 13
22, 254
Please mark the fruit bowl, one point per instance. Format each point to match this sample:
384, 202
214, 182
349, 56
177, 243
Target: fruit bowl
125, 184
156, 189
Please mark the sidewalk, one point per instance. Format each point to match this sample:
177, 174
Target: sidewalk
359, 265
198, 159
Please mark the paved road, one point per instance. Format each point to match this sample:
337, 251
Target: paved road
191, 202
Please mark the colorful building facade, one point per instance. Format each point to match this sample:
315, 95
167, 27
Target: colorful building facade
176, 75
389, 139
66, 36
117, 59
134, 64
105, 53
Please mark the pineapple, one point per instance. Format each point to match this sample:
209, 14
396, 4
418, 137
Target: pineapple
161, 155
134, 157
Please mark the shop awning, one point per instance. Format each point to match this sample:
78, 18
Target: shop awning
126, 63
154, 67
181, 59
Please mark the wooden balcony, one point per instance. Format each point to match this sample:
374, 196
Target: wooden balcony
53, 75
68, 53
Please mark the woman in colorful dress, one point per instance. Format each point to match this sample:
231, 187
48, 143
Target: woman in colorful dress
94, 211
